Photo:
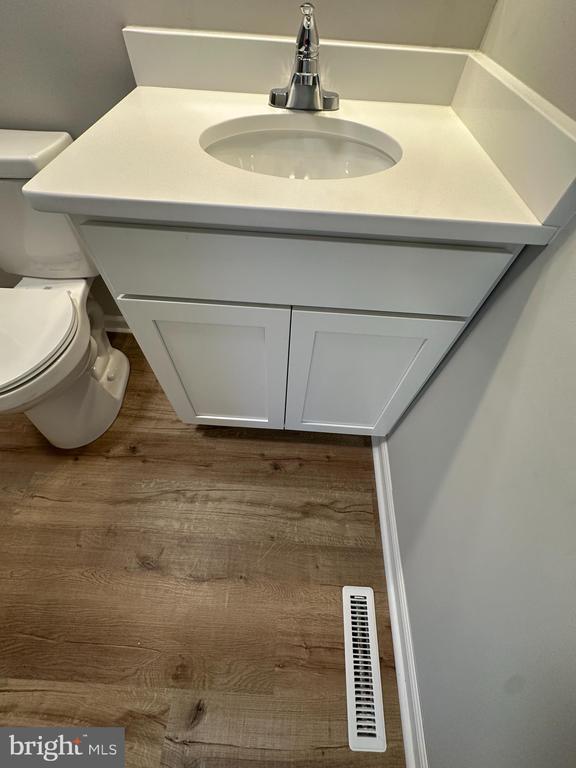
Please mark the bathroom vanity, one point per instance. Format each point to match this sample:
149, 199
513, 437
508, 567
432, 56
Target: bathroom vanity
274, 299
303, 332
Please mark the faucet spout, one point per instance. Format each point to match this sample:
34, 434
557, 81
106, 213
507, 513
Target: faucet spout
305, 92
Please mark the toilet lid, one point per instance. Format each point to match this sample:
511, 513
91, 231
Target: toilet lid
36, 325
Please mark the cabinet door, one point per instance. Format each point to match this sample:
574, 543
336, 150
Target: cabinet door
357, 373
217, 363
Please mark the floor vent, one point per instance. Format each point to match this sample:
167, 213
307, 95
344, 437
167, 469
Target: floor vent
366, 732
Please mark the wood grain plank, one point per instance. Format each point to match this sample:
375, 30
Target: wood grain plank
60, 549
142, 713
186, 583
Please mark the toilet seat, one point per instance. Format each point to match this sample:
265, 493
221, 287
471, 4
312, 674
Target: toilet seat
36, 327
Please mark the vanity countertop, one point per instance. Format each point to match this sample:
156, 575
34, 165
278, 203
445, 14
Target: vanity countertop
143, 161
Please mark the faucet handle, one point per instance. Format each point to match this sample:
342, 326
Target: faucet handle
308, 13
307, 41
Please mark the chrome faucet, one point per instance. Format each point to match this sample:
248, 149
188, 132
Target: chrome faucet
304, 90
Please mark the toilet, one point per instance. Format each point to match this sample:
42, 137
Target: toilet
57, 365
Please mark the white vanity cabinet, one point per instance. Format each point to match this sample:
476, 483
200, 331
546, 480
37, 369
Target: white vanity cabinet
217, 363
357, 373
276, 331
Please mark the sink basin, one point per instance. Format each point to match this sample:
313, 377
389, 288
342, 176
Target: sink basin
301, 146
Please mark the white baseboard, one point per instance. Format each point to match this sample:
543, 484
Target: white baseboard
412, 728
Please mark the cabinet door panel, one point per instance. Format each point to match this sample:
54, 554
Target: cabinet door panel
218, 364
357, 373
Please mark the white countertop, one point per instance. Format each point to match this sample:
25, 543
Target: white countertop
143, 161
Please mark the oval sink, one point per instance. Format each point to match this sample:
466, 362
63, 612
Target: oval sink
301, 146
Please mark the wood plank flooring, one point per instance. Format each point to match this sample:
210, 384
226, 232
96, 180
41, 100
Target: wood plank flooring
185, 583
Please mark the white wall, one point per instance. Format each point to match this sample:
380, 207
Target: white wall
533, 40
63, 62
484, 481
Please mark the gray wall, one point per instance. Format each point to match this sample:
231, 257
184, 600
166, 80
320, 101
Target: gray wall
484, 480
63, 62
531, 38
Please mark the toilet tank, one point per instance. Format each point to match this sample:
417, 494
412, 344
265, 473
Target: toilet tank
35, 244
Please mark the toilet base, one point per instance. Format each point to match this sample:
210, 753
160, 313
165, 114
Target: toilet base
82, 412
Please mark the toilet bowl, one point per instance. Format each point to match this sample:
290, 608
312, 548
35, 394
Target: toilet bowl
56, 363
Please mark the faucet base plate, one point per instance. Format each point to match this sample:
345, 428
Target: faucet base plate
280, 97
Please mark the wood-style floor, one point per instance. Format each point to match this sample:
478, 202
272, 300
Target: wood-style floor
185, 583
